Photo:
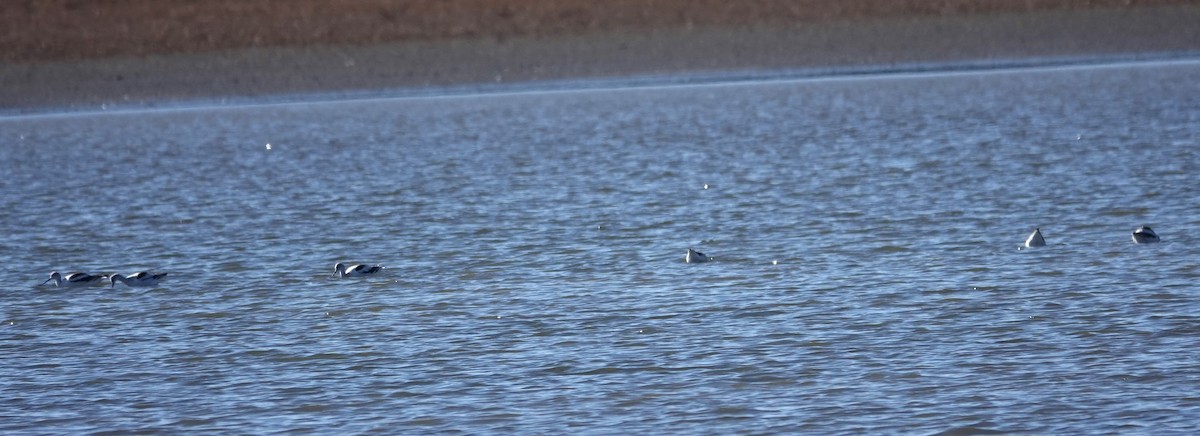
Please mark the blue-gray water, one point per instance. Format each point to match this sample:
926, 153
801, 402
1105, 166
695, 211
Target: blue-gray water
865, 231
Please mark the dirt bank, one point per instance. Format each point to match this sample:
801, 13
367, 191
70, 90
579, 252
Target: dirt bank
133, 52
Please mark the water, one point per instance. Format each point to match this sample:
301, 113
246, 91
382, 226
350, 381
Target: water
865, 230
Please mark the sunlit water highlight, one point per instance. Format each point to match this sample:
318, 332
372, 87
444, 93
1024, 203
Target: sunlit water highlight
866, 274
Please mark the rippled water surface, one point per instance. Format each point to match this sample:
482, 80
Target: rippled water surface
865, 231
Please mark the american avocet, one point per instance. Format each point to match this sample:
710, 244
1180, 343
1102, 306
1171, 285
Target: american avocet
355, 270
1036, 240
694, 256
141, 279
1144, 235
74, 280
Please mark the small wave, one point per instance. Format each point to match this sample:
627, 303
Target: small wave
1129, 211
969, 430
891, 249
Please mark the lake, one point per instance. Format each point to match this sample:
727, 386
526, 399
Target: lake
867, 272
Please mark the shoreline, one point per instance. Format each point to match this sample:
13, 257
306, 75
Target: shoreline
414, 67
622, 83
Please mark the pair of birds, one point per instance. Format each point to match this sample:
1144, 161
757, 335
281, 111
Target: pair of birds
74, 280
1143, 235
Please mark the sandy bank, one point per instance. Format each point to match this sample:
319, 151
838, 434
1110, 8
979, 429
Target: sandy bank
250, 72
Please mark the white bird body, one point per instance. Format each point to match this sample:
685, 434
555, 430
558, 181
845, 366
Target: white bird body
355, 270
1144, 235
74, 280
1036, 239
694, 256
142, 279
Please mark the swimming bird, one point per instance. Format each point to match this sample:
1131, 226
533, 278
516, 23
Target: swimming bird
141, 279
694, 256
74, 280
1035, 239
1144, 235
355, 270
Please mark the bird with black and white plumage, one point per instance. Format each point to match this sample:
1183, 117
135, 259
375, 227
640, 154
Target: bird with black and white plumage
1144, 235
1035, 239
142, 279
693, 256
75, 279
355, 270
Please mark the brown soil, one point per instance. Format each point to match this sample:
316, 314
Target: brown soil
52, 30
103, 54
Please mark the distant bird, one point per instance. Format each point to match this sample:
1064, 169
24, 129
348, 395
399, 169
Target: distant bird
142, 279
1035, 239
694, 256
355, 270
74, 280
1144, 235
